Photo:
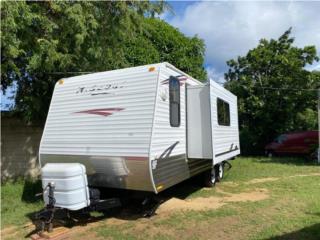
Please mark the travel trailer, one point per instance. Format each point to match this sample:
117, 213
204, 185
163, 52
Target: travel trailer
143, 128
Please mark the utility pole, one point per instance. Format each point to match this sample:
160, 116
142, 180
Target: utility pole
318, 149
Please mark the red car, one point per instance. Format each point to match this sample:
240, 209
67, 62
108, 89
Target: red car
298, 143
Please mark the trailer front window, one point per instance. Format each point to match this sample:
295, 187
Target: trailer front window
223, 112
174, 99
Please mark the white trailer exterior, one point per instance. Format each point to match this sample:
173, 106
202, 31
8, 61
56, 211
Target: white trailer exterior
118, 125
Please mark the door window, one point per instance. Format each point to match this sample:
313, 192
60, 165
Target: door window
174, 99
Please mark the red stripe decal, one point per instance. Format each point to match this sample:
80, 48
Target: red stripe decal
102, 111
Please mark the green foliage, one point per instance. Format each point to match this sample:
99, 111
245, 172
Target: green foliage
307, 119
161, 42
186, 53
45, 41
272, 88
18, 201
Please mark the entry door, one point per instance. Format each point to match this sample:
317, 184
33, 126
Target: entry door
224, 123
199, 122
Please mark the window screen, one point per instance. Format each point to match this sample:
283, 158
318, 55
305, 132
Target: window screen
174, 99
223, 112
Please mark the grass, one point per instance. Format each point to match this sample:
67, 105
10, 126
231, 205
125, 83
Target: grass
18, 201
250, 168
291, 211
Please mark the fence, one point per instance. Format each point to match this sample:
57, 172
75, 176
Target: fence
19, 148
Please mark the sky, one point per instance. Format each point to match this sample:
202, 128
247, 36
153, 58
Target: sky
7, 99
230, 29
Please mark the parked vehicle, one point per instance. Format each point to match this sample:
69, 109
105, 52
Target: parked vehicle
144, 128
298, 143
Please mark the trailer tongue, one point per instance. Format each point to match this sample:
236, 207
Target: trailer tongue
65, 187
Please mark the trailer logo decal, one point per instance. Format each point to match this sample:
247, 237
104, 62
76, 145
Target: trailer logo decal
102, 111
182, 79
99, 89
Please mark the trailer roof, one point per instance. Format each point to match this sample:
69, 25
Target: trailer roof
166, 64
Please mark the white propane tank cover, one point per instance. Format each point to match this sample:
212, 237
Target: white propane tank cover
70, 185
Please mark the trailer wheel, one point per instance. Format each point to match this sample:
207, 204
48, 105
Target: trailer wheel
210, 178
219, 168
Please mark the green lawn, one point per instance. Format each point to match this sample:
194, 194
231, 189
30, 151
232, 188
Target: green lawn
18, 201
289, 207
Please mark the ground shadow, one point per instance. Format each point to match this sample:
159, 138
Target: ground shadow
76, 219
132, 201
133, 209
132, 204
184, 189
308, 233
30, 189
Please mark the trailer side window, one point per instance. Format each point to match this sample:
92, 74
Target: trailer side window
174, 99
223, 112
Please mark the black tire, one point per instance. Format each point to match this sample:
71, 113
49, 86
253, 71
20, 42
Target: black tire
314, 155
210, 178
269, 154
219, 169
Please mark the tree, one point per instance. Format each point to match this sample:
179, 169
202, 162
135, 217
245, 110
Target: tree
161, 42
275, 92
45, 41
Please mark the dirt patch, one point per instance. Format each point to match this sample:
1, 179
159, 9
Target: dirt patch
197, 204
262, 180
272, 179
219, 190
9, 232
206, 189
215, 189
257, 195
231, 184
201, 203
306, 175
116, 221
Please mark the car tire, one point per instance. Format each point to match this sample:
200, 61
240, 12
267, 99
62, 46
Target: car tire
210, 178
314, 155
269, 154
219, 168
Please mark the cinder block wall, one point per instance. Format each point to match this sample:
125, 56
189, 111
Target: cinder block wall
19, 148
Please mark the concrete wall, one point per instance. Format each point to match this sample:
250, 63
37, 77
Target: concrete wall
19, 148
